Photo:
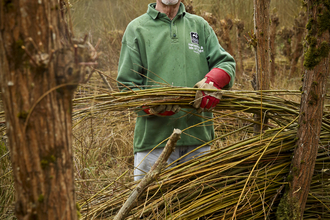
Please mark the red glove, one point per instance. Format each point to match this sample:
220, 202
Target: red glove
215, 79
162, 110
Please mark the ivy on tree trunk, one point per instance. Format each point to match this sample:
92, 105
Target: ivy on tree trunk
316, 71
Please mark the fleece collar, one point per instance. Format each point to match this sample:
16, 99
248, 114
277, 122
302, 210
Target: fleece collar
154, 14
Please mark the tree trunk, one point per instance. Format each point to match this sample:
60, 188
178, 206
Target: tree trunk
299, 29
239, 39
316, 65
287, 34
272, 35
39, 71
261, 29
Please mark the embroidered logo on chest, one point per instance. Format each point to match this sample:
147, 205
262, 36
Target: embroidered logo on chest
194, 45
194, 38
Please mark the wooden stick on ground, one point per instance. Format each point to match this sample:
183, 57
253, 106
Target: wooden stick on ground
151, 175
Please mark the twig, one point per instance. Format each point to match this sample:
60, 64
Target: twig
43, 96
104, 80
265, 149
4, 155
151, 175
270, 207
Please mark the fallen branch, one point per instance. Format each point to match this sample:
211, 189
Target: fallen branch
151, 175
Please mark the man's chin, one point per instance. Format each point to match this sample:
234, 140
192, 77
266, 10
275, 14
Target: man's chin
170, 2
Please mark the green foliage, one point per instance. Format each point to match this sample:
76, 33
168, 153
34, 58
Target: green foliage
324, 49
314, 83
47, 160
22, 115
310, 58
323, 21
44, 164
41, 198
309, 24
315, 53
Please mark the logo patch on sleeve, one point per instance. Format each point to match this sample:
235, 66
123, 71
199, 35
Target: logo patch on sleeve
194, 38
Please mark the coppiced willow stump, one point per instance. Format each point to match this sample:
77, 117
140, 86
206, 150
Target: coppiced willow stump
41, 65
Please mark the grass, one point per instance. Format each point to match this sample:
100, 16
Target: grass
6, 183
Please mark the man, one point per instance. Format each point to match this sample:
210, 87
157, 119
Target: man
169, 46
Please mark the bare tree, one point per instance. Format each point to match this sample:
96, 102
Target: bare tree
299, 29
261, 29
272, 49
286, 35
40, 68
316, 71
239, 39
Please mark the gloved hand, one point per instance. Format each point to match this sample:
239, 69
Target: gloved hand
163, 110
215, 79
205, 99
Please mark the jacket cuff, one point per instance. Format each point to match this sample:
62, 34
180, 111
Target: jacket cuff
219, 77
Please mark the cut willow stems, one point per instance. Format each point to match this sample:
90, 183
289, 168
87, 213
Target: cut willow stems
151, 175
212, 184
216, 181
232, 100
239, 200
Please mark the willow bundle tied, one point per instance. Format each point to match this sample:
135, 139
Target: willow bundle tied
244, 180
246, 101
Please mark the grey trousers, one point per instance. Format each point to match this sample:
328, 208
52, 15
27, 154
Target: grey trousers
143, 166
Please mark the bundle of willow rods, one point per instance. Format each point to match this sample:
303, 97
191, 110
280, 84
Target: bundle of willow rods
245, 180
231, 100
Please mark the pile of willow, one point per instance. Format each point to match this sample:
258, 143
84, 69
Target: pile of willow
243, 180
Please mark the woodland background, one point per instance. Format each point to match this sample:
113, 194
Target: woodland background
103, 139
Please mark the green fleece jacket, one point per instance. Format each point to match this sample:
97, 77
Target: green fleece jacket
157, 51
